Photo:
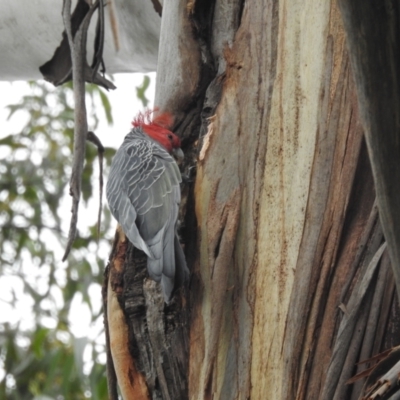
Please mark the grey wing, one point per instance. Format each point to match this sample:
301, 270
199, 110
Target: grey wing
157, 215
125, 161
144, 195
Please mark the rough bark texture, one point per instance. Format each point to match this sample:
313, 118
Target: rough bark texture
147, 339
291, 281
287, 229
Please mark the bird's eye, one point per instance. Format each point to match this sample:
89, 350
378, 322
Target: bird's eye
170, 137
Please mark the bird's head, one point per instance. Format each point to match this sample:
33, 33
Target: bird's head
158, 129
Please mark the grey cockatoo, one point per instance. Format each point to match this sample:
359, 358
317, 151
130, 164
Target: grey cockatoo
143, 193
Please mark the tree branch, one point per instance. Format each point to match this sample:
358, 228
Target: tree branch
91, 137
77, 45
58, 70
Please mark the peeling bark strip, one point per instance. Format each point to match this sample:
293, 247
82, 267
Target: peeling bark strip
347, 328
77, 44
373, 37
91, 137
76, 27
223, 220
59, 69
147, 338
132, 383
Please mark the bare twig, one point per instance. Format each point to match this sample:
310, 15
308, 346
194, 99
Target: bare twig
348, 324
77, 45
99, 42
91, 137
58, 69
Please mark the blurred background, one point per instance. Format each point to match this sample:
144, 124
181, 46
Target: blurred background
51, 322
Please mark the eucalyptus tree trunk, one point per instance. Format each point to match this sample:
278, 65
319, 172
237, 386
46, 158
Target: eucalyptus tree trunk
291, 283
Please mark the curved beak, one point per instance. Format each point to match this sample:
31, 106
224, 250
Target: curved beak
178, 154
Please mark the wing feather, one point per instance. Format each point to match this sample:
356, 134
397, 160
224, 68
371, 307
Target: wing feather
143, 192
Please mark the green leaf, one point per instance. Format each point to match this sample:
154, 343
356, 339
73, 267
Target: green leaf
11, 142
141, 91
106, 106
38, 343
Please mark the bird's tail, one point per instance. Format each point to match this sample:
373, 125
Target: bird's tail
181, 271
172, 281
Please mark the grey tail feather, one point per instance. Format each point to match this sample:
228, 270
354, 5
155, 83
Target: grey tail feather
167, 285
170, 284
181, 269
154, 268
